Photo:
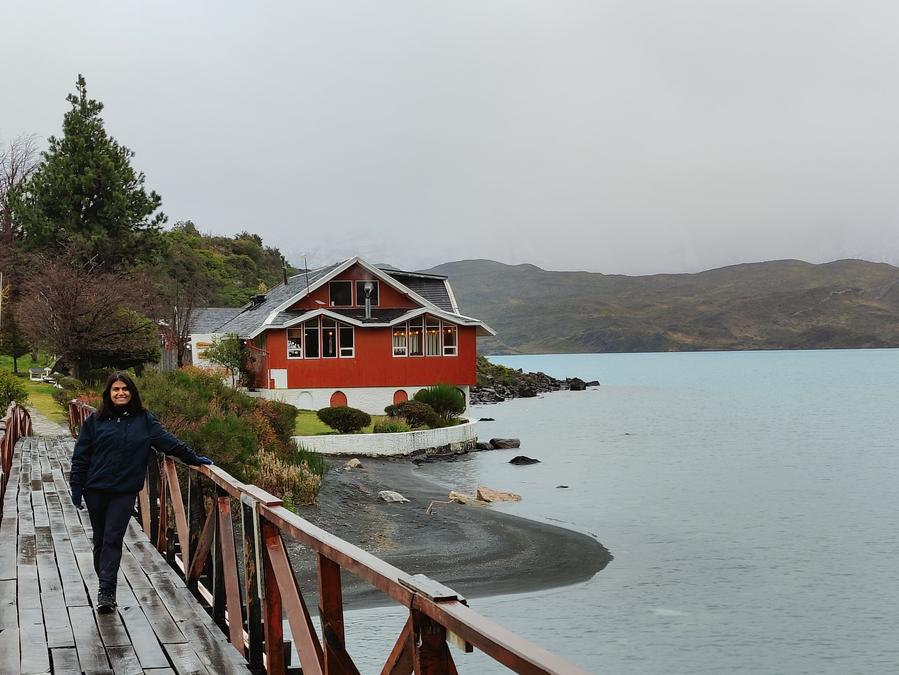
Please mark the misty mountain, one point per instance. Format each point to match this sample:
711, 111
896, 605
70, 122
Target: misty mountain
783, 304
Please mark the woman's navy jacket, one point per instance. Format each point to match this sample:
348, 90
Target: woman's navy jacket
112, 454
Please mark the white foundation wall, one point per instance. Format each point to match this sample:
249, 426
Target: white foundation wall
449, 439
372, 400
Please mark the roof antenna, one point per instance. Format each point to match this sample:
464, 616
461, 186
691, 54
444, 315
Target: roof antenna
306, 269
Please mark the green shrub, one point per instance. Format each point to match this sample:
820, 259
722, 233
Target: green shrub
72, 383
390, 426
416, 414
230, 442
311, 460
11, 389
282, 416
344, 419
445, 399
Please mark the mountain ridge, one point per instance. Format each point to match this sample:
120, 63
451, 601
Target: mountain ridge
781, 304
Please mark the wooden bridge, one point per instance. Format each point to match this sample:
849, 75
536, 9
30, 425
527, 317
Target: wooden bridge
202, 590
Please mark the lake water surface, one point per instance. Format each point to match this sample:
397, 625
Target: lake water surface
749, 499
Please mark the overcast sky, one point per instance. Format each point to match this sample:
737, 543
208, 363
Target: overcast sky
630, 137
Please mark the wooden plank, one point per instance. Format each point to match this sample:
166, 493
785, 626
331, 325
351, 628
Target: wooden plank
160, 619
112, 630
143, 639
400, 660
91, 654
229, 573
271, 610
9, 534
252, 574
174, 490
177, 600
185, 660
133, 571
9, 649
213, 649
35, 657
124, 661
201, 554
65, 661
56, 619
304, 637
330, 610
70, 577
430, 653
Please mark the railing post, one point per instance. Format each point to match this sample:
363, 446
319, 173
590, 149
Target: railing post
272, 609
430, 653
330, 610
252, 579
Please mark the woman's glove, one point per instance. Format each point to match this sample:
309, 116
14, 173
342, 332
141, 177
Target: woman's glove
204, 460
76, 497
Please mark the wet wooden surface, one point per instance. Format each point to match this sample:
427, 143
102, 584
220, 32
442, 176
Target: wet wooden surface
48, 588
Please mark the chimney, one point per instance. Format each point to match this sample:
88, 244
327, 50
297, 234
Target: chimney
368, 288
284, 269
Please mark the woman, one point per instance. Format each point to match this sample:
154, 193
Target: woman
109, 465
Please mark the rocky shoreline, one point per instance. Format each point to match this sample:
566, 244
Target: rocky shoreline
498, 383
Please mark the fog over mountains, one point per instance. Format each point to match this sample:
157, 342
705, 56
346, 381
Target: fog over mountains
783, 304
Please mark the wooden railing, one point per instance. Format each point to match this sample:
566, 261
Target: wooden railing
16, 424
188, 514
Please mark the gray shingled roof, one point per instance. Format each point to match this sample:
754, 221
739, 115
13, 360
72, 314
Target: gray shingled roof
208, 319
432, 288
251, 317
248, 319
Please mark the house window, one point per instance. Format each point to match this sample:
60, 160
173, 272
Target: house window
294, 343
329, 338
449, 340
310, 337
399, 340
416, 337
432, 336
341, 293
347, 346
360, 293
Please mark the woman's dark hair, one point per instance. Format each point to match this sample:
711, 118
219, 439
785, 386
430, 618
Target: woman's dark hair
108, 408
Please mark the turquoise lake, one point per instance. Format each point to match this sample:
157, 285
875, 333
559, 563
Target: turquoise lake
749, 500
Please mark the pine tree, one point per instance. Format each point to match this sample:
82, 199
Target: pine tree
86, 197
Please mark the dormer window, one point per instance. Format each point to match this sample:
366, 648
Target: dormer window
340, 293
360, 293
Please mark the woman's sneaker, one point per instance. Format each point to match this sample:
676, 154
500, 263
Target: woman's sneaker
105, 602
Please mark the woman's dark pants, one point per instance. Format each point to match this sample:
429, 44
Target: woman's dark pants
109, 513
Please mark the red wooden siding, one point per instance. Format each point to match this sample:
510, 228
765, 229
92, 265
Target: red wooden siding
374, 364
389, 298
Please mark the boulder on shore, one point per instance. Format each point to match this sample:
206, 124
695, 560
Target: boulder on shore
521, 460
480, 445
462, 498
577, 384
353, 464
391, 496
593, 383
505, 443
486, 494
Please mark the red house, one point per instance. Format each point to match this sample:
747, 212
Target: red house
351, 334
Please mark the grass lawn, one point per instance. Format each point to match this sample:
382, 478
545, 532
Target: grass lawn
308, 424
40, 395
24, 362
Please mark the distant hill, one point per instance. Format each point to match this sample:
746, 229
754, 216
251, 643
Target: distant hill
783, 304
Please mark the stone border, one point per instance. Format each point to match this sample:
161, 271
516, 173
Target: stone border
446, 440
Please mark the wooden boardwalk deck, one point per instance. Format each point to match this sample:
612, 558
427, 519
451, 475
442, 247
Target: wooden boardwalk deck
48, 588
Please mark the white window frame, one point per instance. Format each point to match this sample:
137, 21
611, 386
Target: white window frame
341, 281
318, 333
321, 329
351, 350
421, 337
435, 322
405, 352
302, 351
455, 347
360, 300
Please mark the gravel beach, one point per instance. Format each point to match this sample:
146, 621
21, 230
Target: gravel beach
476, 550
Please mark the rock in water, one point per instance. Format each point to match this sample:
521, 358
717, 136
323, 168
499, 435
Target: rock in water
504, 443
577, 384
486, 494
391, 496
521, 460
353, 464
593, 383
482, 446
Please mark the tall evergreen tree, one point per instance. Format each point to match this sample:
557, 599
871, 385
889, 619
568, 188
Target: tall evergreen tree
86, 197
